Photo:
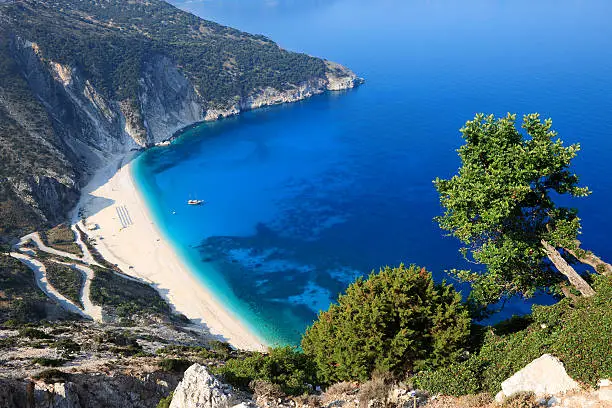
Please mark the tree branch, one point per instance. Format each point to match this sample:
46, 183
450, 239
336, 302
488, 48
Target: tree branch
561, 264
591, 259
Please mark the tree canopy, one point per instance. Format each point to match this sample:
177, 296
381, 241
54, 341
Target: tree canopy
397, 320
503, 205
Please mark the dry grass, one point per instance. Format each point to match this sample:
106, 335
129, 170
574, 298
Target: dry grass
263, 390
475, 401
61, 237
339, 391
521, 400
375, 393
467, 401
310, 401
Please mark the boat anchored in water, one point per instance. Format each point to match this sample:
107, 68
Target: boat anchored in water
195, 202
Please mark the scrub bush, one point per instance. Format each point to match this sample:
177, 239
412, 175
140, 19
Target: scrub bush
578, 332
397, 320
286, 367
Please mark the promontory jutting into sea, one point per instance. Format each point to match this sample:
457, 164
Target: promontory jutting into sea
305, 203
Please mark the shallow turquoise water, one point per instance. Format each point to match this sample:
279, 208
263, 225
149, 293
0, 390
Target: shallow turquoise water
303, 198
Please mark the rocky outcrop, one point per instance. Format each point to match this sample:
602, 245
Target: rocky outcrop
339, 78
57, 395
201, 389
543, 376
85, 390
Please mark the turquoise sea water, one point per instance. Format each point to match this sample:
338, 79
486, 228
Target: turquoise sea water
303, 198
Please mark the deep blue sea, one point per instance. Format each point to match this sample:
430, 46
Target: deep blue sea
304, 198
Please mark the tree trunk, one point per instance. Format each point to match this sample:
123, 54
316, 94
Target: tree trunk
593, 260
565, 268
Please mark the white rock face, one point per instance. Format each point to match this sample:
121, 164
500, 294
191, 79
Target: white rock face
543, 376
58, 395
605, 390
199, 389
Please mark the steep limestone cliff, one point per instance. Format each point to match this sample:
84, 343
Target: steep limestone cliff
81, 82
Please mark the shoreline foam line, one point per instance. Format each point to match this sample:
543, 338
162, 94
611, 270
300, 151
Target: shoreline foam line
141, 250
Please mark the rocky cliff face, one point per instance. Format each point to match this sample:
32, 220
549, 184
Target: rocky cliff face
199, 388
87, 391
80, 123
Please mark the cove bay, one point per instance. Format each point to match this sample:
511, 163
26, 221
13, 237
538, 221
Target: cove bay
301, 199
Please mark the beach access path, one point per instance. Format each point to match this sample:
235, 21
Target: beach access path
27, 256
124, 233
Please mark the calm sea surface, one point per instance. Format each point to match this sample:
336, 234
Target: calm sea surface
303, 198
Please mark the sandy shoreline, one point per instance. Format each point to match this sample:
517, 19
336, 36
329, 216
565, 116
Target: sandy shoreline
112, 201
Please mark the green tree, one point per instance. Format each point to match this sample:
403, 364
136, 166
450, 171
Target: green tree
285, 367
502, 206
397, 320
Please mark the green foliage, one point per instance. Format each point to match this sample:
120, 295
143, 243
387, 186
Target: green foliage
116, 338
68, 346
124, 343
124, 296
176, 365
454, 379
220, 348
21, 300
165, 402
5, 249
397, 320
119, 40
216, 350
49, 362
7, 343
67, 281
578, 333
286, 367
52, 375
501, 204
33, 333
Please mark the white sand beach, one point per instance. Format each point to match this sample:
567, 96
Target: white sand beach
127, 236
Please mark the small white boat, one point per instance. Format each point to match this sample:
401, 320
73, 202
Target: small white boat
195, 202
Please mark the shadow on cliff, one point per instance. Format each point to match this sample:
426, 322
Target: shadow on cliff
90, 203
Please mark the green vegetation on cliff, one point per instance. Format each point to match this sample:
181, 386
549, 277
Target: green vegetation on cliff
112, 40
28, 144
577, 331
124, 297
397, 320
21, 301
67, 281
113, 57
293, 372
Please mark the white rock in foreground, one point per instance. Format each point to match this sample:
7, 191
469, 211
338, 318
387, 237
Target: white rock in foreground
543, 376
200, 389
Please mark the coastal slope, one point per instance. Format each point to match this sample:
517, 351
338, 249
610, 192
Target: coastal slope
83, 82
